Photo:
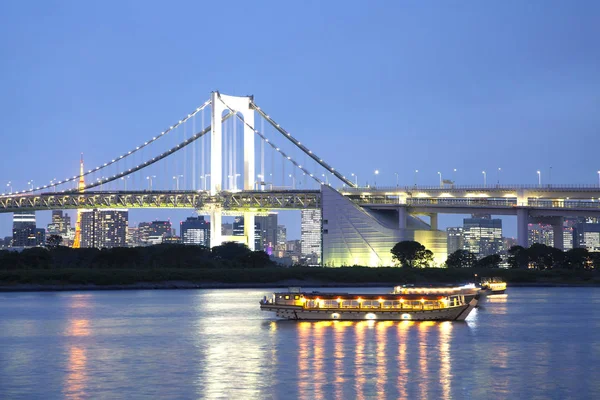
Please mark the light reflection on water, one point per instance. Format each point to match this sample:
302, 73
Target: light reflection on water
529, 343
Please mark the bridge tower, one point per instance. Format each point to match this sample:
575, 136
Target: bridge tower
241, 106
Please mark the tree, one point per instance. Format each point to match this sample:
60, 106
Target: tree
461, 259
230, 251
518, 257
577, 258
411, 254
491, 261
53, 241
544, 257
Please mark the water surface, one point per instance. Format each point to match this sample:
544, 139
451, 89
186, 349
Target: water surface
533, 343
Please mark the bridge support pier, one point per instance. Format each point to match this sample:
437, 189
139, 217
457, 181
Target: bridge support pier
402, 217
522, 221
216, 217
249, 230
433, 221
558, 231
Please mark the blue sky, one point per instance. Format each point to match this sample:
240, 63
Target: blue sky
394, 86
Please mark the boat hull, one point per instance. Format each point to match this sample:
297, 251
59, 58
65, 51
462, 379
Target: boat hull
458, 313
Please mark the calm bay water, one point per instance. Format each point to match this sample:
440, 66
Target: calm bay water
533, 343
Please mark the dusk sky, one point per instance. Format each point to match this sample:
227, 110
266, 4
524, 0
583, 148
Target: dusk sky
388, 85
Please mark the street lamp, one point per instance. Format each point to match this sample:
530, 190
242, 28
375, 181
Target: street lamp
176, 178
539, 178
440, 174
149, 178
598, 181
293, 181
499, 169
484, 178
454, 177
416, 172
204, 179
124, 179
396, 178
326, 180
356, 179
30, 183
52, 184
375, 179
9, 184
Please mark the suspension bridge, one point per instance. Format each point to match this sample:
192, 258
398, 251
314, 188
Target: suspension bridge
198, 162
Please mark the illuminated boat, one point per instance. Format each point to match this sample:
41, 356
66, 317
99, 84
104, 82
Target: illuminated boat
298, 305
469, 290
493, 285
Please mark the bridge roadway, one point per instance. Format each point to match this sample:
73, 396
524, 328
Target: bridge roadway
552, 201
200, 200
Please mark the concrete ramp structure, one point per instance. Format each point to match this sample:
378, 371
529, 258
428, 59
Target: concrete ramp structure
354, 235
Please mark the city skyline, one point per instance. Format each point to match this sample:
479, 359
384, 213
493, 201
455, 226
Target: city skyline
509, 102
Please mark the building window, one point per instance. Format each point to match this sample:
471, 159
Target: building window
325, 230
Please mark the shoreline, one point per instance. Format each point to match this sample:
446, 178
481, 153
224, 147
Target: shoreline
185, 285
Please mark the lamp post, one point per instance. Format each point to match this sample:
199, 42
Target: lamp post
124, 179
454, 176
440, 174
598, 181
484, 178
149, 178
375, 178
355, 179
176, 179
396, 178
52, 184
326, 180
9, 184
30, 183
416, 172
293, 181
539, 173
499, 169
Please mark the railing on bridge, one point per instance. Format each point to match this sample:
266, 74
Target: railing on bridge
482, 188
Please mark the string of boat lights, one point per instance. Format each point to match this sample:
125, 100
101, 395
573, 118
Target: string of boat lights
122, 157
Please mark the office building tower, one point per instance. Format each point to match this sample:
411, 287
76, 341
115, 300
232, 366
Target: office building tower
195, 230
586, 235
482, 235
281, 240
540, 233
310, 236
101, 228
25, 233
267, 227
238, 230
454, 239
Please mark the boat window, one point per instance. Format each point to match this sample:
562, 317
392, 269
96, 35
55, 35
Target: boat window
296, 297
287, 297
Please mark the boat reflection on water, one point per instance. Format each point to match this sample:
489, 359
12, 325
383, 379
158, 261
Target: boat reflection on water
497, 298
366, 359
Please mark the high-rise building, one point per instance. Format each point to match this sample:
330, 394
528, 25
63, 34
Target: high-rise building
586, 235
267, 226
293, 250
153, 232
281, 240
540, 233
482, 235
195, 230
61, 226
25, 233
310, 236
454, 239
101, 228
238, 230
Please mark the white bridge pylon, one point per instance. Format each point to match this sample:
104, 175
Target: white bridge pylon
240, 105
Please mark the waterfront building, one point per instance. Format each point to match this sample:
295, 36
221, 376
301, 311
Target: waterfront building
482, 235
454, 239
195, 230
104, 228
238, 230
361, 236
310, 236
61, 226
